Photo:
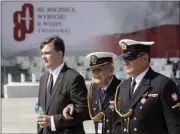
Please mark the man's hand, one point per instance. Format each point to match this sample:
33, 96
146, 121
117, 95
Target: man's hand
44, 121
68, 112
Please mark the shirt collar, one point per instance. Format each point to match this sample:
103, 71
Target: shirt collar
141, 76
56, 71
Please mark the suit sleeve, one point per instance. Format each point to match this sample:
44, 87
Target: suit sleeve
38, 127
78, 96
171, 107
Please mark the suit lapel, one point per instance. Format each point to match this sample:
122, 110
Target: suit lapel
142, 88
111, 91
95, 97
57, 85
96, 90
44, 88
124, 95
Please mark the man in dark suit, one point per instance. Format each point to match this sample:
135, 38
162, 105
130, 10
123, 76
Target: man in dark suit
59, 87
101, 92
147, 102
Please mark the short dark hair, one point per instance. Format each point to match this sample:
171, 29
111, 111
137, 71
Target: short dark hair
58, 43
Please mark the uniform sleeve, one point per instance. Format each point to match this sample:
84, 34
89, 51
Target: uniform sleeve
171, 106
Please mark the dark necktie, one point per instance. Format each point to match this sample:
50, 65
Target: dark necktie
132, 87
102, 95
49, 89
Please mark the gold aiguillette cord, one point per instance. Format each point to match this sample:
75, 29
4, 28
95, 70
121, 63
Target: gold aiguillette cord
97, 117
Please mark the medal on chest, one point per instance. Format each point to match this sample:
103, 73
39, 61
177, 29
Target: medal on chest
144, 96
143, 100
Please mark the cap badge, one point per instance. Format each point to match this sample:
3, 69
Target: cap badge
124, 45
93, 59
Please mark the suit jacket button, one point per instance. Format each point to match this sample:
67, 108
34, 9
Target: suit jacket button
125, 129
125, 119
107, 120
94, 109
135, 118
135, 129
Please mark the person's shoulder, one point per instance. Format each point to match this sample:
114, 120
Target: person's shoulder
116, 80
163, 78
125, 81
45, 74
73, 74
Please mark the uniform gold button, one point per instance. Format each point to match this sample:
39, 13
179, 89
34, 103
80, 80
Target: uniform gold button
135, 118
124, 119
135, 129
125, 129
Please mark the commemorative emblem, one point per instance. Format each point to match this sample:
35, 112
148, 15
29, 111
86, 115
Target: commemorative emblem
174, 97
145, 95
123, 45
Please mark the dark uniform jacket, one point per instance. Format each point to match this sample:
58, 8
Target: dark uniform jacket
107, 107
69, 88
155, 106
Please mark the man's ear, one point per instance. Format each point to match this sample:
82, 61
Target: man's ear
112, 68
60, 53
146, 58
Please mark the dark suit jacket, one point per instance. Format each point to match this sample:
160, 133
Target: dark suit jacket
155, 104
69, 88
107, 107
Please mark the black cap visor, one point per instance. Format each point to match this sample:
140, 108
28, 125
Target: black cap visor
131, 55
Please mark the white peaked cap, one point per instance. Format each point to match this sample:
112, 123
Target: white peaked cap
129, 42
99, 58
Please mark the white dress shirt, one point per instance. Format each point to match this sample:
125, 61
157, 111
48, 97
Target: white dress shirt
139, 78
55, 74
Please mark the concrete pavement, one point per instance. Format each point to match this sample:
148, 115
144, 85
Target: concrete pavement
18, 116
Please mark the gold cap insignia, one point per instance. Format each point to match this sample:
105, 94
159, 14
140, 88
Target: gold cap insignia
123, 45
93, 59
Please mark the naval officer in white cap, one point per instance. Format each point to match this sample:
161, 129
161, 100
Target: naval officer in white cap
102, 90
147, 102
